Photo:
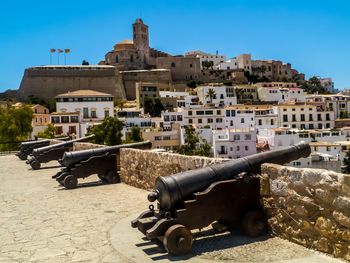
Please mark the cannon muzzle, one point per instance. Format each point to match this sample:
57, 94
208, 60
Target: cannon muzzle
170, 190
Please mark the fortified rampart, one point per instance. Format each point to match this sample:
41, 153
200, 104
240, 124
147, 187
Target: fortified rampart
46, 82
310, 207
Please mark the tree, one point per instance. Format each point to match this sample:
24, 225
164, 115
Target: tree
207, 64
346, 163
192, 84
211, 95
313, 85
85, 63
134, 135
193, 144
48, 133
120, 104
15, 124
109, 132
153, 108
344, 115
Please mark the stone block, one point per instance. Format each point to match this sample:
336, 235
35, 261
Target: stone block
271, 169
341, 219
314, 177
322, 245
279, 188
342, 204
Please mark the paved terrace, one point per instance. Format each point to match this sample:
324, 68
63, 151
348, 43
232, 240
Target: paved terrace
42, 222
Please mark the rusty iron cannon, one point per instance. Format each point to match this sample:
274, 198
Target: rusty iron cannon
26, 148
228, 193
101, 161
53, 152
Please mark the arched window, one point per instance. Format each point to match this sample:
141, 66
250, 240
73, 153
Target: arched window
131, 58
173, 65
116, 59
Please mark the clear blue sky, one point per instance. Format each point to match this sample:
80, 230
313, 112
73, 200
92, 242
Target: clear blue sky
313, 35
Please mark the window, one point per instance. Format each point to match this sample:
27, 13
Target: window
179, 117
248, 137
190, 121
173, 65
259, 122
74, 119
319, 118
190, 65
55, 119
200, 112
311, 126
271, 122
209, 112
219, 120
242, 120
189, 113
238, 148
228, 113
93, 114
294, 118
246, 147
210, 120
157, 138
72, 129
59, 129
85, 113
311, 117
166, 118
327, 117
302, 117
199, 120
236, 137
166, 138
106, 113
65, 119
285, 117
218, 112
116, 59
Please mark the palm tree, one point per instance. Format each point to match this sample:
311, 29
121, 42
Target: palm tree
120, 104
211, 95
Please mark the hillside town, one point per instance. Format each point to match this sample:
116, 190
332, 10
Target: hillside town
237, 106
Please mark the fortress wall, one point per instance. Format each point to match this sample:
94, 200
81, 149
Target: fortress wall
310, 207
131, 77
141, 168
48, 82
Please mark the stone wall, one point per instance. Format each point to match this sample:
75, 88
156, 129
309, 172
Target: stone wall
141, 168
309, 206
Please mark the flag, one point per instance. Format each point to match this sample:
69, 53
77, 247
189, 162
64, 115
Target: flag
67, 50
52, 50
59, 50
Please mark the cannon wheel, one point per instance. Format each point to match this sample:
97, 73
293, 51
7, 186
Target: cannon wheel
70, 182
255, 223
101, 177
35, 165
23, 156
111, 177
178, 240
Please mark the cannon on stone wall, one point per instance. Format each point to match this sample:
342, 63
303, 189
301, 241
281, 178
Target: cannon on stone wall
26, 148
228, 193
53, 152
100, 161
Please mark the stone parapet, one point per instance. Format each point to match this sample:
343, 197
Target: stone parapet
78, 146
310, 207
141, 168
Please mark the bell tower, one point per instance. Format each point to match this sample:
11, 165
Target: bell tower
141, 39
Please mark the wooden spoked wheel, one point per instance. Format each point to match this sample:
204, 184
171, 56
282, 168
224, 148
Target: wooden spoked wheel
255, 223
178, 240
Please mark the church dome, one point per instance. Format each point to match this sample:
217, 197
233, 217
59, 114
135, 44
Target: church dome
125, 44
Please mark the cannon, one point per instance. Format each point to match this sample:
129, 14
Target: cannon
101, 161
227, 193
53, 152
26, 148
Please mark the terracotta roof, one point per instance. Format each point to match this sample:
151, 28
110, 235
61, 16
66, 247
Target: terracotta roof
84, 93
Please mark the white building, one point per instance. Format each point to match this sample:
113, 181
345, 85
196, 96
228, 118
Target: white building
223, 95
66, 123
92, 106
215, 58
238, 117
304, 116
280, 92
232, 63
234, 143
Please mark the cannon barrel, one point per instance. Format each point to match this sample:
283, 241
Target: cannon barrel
70, 158
174, 188
61, 145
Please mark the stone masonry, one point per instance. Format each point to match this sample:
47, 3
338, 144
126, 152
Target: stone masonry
309, 207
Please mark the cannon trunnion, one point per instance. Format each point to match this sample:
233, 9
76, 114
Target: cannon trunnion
53, 152
100, 161
228, 193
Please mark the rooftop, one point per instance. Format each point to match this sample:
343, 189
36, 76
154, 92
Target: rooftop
84, 93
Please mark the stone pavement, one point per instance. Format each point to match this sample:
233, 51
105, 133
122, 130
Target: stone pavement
42, 222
